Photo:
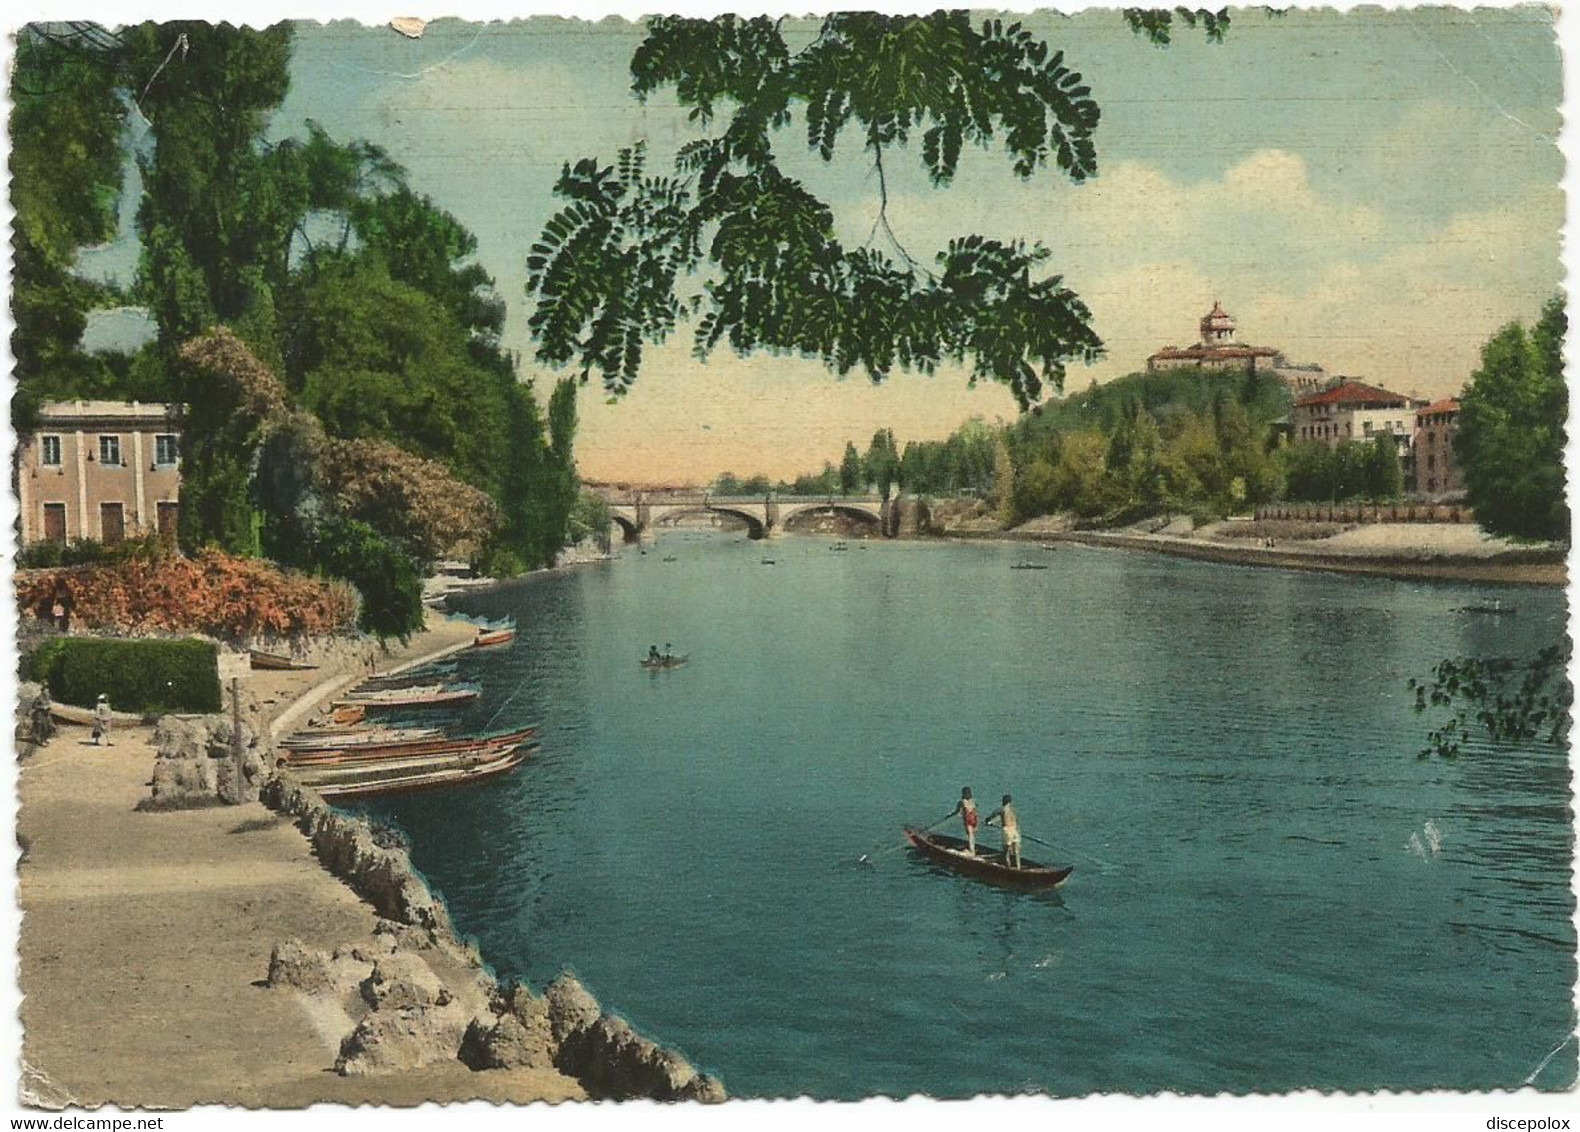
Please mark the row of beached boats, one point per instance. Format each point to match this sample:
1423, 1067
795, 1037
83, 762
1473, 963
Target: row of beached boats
366, 749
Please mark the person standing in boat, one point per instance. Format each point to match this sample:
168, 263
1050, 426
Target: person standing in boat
1005, 815
652, 655
967, 809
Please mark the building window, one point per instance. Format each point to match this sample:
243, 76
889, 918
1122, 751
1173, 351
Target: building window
49, 451
1431, 485
110, 451
165, 450
1431, 460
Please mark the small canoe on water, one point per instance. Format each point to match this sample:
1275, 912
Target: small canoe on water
951, 852
487, 637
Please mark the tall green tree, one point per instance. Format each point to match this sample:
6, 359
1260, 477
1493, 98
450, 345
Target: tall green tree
850, 470
606, 273
66, 125
882, 462
212, 216
1510, 441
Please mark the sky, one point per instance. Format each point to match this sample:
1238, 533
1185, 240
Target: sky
1375, 192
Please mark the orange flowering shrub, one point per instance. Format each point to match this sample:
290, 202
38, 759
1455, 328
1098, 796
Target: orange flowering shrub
213, 593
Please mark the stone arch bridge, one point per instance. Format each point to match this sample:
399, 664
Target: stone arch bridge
764, 515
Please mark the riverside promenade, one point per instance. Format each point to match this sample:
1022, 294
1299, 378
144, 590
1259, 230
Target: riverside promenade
146, 937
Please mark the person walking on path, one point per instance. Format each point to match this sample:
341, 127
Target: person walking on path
967, 809
101, 721
1005, 815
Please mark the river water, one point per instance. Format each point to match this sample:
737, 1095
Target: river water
1227, 755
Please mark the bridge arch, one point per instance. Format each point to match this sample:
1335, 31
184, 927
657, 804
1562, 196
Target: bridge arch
867, 515
629, 532
755, 528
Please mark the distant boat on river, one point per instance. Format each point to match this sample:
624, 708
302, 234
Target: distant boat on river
661, 663
1029, 566
1495, 609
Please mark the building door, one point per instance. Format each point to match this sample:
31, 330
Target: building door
55, 522
112, 523
169, 518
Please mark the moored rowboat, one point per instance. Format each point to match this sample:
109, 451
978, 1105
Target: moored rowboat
338, 740
345, 774
952, 853
371, 754
417, 697
276, 663
488, 637
427, 779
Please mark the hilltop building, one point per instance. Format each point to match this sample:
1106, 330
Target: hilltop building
1436, 470
104, 470
1353, 410
1217, 349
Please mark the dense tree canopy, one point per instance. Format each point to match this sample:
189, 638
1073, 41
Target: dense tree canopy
1510, 441
606, 273
358, 297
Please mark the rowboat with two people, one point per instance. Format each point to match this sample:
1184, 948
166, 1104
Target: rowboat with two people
656, 661
954, 854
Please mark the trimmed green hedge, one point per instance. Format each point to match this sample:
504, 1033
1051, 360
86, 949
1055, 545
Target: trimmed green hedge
138, 675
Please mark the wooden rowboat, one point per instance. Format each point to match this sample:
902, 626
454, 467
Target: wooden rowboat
275, 663
373, 754
350, 774
417, 698
952, 853
427, 779
488, 637
368, 736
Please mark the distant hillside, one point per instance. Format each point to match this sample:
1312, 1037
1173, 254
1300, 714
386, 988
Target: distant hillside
1165, 395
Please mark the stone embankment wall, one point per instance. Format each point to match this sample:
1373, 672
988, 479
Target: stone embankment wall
416, 995
1368, 512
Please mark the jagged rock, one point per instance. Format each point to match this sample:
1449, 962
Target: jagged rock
291, 964
507, 1043
571, 1007
612, 1060
197, 764
316, 972
402, 981
391, 1041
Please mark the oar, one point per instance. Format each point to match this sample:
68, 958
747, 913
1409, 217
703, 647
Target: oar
871, 853
1070, 852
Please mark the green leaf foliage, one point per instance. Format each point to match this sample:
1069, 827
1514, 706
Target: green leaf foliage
152, 676
384, 574
1497, 699
1510, 441
604, 272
